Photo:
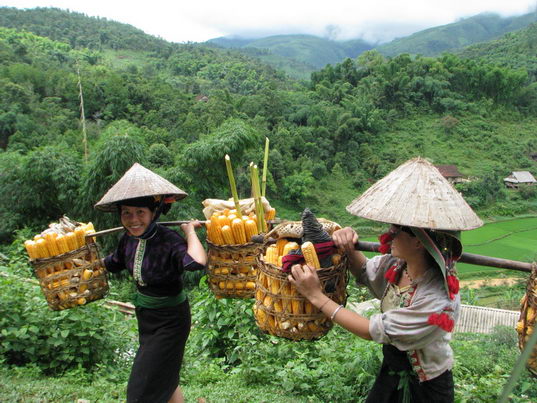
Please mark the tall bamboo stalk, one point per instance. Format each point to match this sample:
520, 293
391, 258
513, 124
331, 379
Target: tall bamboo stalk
265, 163
233, 186
261, 224
82, 115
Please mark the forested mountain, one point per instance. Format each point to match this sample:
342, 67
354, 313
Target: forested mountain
181, 111
79, 30
516, 50
450, 37
312, 51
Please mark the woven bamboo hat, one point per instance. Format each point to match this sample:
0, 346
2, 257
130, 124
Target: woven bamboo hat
416, 195
139, 182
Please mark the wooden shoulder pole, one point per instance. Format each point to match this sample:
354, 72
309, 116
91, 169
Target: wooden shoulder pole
469, 258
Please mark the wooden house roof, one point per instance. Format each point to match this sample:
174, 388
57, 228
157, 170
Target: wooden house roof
449, 171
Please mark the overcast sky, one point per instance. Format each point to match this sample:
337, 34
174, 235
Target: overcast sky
200, 20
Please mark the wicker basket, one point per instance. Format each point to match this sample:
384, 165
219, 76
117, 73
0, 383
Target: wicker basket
231, 269
72, 279
279, 309
526, 324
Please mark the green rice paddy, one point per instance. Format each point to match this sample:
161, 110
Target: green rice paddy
513, 239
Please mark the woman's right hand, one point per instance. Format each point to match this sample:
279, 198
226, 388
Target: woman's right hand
345, 239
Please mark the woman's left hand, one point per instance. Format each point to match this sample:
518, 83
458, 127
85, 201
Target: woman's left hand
306, 280
190, 226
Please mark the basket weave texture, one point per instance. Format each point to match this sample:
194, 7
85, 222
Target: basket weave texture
528, 311
279, 308
231, 269
72, 279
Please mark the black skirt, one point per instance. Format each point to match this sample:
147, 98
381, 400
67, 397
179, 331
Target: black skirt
388, 386
155, 372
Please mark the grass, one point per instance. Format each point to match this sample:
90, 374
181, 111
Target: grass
513, 239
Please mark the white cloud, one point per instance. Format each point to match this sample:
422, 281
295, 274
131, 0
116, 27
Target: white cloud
195, 21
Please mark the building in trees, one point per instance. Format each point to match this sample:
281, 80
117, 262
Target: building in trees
518, 178
451, 173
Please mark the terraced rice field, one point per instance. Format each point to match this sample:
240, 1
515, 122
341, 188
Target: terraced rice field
510, 239
514, 239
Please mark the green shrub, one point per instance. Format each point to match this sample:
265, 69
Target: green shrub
55, 341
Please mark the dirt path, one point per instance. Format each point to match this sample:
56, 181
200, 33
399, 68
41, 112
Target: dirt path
489, 282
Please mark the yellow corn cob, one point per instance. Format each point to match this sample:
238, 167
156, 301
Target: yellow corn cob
250, 228
289, 246
71, 240
89, 227
530, 314
239, 234
280, 243
278, 306
268, 302
217, 234
259, 295
231, 217
280, 261
228, 235
274, 286
250, 285
50, 237
310, 256
223, 220
270, 214
308, 308
271, 255
520, 326
80, 233
41, 247
61, 243
296, 305
210, 236
31, 249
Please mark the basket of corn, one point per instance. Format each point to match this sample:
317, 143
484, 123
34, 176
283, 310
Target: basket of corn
279, 309
526, 323
67, 264
231, 267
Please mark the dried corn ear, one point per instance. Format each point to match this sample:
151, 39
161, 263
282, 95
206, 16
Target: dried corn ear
310, 256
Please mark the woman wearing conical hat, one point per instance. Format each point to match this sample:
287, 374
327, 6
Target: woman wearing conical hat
156, 257
414, 279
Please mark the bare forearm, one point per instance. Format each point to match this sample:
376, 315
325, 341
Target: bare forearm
357, 260
195, 248
346, 318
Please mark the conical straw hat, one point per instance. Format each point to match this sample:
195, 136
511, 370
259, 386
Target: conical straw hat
417, 195
138, 182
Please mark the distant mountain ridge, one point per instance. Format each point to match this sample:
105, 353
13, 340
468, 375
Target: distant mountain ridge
296, 55
480, 28
308, 49
314, 52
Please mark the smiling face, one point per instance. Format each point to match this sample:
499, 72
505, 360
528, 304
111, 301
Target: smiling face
136, 219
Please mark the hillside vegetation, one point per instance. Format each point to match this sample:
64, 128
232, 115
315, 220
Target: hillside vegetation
330, 138
516, 50
178, 109
451, 37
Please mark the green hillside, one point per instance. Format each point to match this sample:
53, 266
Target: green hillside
447, 38
305, 52
515, 50
79, 30
181, 111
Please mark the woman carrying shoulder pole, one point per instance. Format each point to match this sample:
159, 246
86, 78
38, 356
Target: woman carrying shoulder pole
415, 280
